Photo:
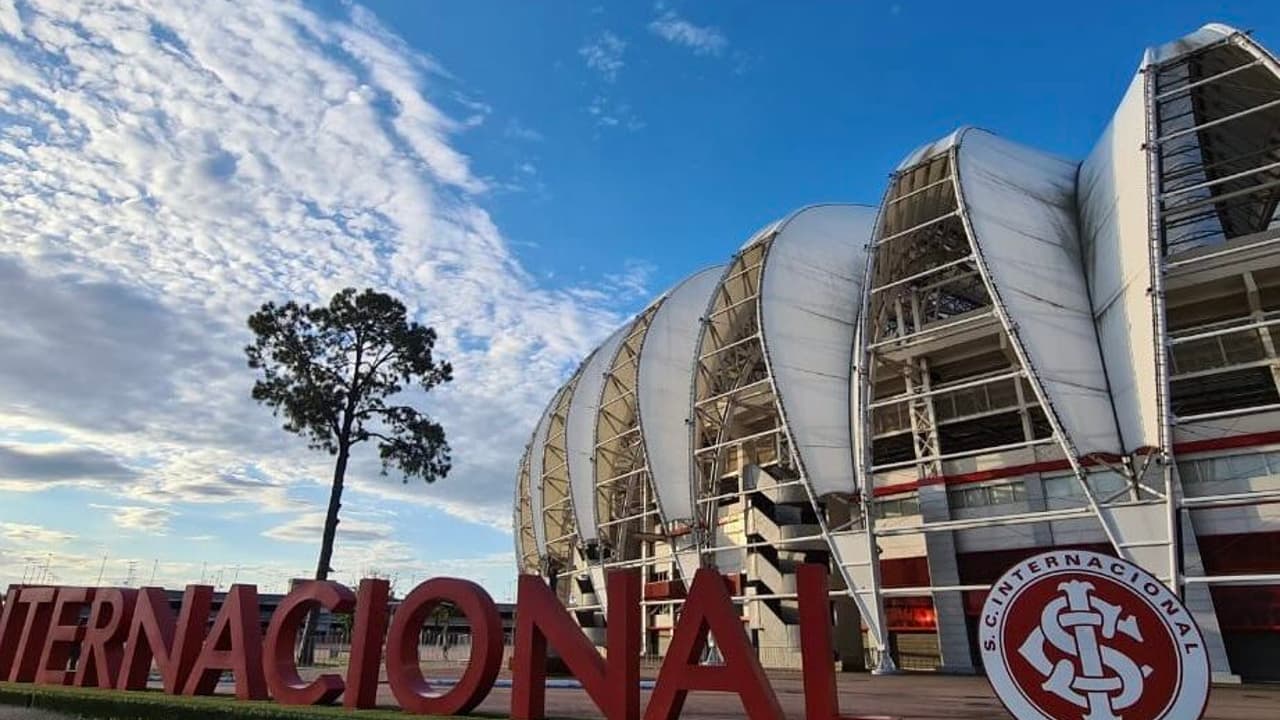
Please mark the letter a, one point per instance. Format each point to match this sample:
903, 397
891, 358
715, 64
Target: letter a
541, 621
710, 611
235, 644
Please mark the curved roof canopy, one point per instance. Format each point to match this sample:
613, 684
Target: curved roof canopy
580, 434
536, 445
1020, 207
810, 293
662, 389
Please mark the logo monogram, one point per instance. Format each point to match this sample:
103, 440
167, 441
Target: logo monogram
1075, 635
1102, 679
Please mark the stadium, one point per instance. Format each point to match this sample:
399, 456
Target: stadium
1013, 352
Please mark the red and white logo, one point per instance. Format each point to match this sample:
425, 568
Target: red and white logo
1074, 635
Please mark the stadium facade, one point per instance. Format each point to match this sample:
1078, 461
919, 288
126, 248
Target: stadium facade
1014, 352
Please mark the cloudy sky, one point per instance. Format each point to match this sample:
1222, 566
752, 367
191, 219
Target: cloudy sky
523, 175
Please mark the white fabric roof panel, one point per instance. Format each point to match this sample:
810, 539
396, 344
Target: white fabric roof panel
1114, 231
1020, 204
580, 433
1207, 35
663, 392
536, 446
810, 292
930, 150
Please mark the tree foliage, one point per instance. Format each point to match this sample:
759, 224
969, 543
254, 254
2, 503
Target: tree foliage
334, 373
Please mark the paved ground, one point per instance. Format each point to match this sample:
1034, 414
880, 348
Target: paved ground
910, 696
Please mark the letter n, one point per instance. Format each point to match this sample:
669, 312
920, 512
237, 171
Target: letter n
709, 611
235, 644
153, 633
542, 622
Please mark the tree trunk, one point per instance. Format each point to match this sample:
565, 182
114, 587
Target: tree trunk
307, 653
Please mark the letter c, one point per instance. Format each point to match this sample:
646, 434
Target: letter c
283, 681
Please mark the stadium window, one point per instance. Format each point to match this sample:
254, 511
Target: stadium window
1063, 486
984, 495
898, 507
1231, 389
1104, 485
1107, 483
1229, 467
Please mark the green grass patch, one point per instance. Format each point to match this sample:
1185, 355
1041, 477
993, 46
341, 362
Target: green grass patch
155, 705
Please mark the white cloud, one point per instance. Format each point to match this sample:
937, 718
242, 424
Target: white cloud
308, 528
36, 535
701, 39
167, 167
150, 520
603, 53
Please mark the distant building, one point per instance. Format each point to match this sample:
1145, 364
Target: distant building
1014, 352
330, 629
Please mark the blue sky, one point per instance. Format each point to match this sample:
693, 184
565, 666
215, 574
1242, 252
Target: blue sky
524, 175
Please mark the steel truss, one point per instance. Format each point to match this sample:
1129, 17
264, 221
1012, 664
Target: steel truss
561, 555
931, 274
743, 449
527, 559
1214, 185
626, 509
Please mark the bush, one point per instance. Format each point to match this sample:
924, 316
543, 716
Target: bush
154, 705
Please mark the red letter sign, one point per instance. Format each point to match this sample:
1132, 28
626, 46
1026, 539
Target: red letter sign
12, 619
614, 686
366, 645
152, 634
821, 701
709, 611
38, 614
403, 671
235, 644
103, 647
64, 632
286, 686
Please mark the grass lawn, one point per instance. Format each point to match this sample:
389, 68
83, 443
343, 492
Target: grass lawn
155, 705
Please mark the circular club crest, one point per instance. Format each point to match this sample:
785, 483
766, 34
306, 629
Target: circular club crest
1074, 635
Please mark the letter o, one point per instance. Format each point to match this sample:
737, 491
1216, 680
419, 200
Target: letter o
404, 674
283, 681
